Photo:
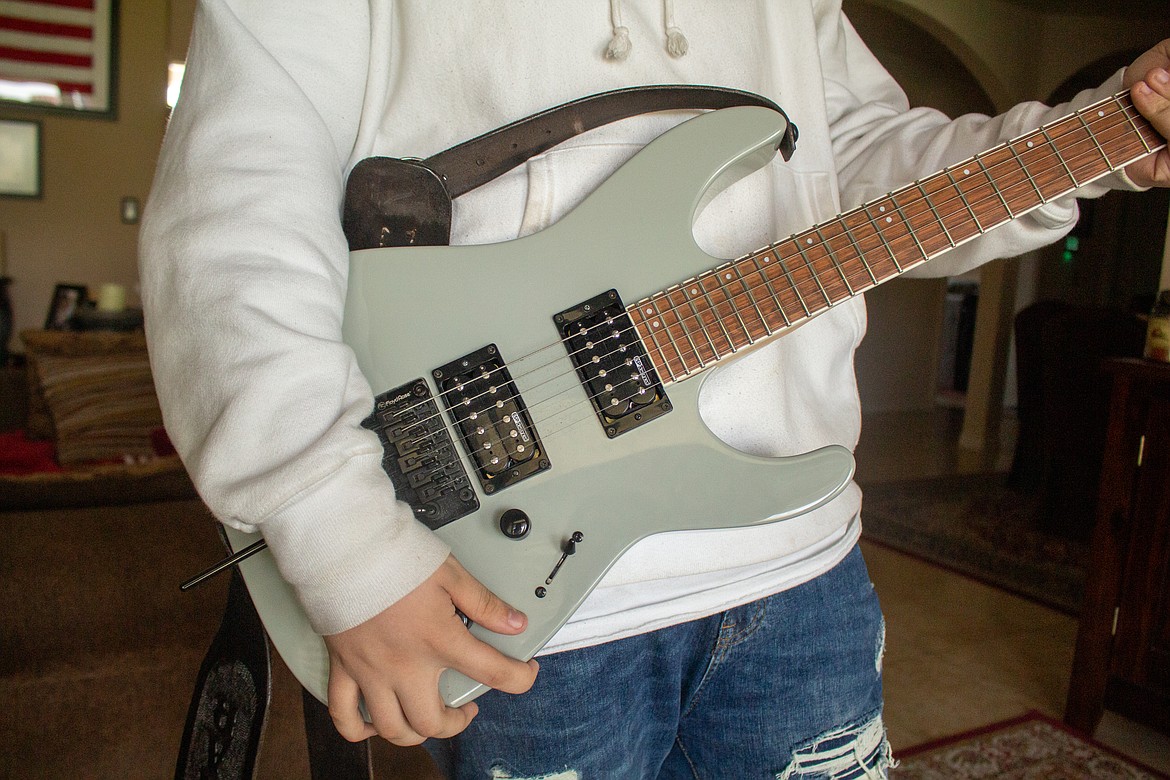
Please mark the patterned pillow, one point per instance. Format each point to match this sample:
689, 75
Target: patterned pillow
99, 393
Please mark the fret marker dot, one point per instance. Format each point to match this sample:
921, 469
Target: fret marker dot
966, 171
881, 208
889, 219
727, 276
694, 291
808, 241
1030, 144
654, 324
1100, 113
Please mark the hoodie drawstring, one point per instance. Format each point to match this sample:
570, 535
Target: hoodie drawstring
619, 46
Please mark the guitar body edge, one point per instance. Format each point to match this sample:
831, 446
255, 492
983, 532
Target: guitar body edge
634, 235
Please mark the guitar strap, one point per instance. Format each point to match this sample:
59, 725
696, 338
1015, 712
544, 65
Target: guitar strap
407, 202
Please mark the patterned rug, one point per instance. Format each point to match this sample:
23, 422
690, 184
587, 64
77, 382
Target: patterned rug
976, 526
1032, 747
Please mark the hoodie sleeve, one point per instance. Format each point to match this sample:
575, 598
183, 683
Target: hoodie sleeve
243, 267
880, 144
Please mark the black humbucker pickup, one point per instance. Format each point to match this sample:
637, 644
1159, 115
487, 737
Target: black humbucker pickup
612, 364
489, 413
419, 456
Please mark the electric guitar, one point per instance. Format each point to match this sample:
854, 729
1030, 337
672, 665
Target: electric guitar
538, 399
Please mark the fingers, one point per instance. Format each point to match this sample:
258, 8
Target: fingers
407, 720
395, 659
481, 606
484, 663
344, 697
1151, 97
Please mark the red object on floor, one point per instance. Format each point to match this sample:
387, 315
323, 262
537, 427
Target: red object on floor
21, 455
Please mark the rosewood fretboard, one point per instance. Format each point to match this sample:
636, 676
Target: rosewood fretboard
692, 325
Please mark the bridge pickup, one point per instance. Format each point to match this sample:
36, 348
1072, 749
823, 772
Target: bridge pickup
486, 407
611, 363
419, 456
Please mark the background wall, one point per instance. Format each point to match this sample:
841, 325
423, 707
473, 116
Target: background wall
74, 232
955, 54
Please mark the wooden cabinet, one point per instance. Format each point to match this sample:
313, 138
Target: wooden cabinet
1122, 656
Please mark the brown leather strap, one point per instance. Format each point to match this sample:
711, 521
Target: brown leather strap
396, 202
472, 163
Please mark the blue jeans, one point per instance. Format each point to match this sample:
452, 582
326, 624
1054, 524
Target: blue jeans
785, 687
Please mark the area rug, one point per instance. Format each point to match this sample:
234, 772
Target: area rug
975, 525
1031, 747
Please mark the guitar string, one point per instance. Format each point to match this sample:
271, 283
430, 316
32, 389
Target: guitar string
662, 303
899, 242
831, 266
810, 265
857, 251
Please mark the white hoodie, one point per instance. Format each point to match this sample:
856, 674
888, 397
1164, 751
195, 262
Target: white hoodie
244, 264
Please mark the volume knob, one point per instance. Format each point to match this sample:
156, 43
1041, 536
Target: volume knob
515, 524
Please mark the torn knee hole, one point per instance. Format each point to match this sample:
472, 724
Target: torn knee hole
859, 751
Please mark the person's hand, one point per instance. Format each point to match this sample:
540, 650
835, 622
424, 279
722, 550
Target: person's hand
394, 660
1148, 80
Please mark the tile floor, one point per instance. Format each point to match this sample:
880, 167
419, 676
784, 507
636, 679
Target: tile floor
960, 654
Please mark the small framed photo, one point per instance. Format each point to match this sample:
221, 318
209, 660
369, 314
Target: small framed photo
67, 300
20, 158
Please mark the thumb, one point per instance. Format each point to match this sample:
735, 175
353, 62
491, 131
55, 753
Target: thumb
480, 605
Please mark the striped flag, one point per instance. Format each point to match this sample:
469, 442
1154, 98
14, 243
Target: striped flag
56, 52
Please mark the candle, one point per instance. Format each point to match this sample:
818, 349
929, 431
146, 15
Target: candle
111, 298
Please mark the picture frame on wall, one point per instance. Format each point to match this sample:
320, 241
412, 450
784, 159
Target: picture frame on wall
20, 158
67, 301
60, 56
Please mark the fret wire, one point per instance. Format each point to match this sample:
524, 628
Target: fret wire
813, 270
715, 311
833, 259
1113, 133
933, 210
1129, 118
752, 298
721, 285
909, 226
991, 183
792, 282
878, 229
670, 338
1125, 139
702, 323
771, 289
963, 197
1027, 173
650, 332
859, 250
1093, 138
669, 329
1059, 156
685, 330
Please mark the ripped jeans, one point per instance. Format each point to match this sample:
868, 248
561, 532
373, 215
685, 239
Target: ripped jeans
783, 688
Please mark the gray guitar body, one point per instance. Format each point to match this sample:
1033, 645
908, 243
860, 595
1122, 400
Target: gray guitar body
412, 311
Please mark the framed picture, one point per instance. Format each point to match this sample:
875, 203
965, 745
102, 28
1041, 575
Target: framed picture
20, 158
67, 299
60, 56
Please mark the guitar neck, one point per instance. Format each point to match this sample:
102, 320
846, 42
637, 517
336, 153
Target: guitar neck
693, 325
